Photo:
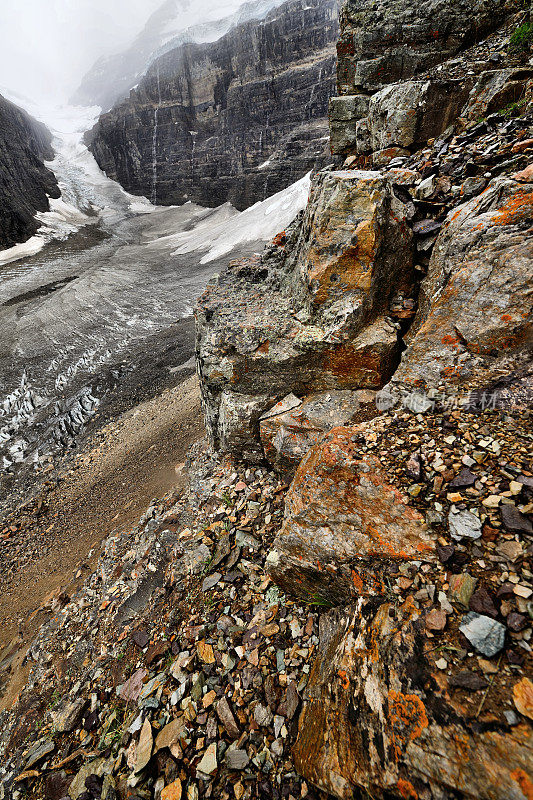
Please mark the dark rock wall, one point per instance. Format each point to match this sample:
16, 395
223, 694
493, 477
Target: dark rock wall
205, 120
25, 182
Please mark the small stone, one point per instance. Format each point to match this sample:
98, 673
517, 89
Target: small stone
461, 589
205, 652
485, 634
515, 487
131, 690
37, 753
463, 480
436, 620
236, 759
523, 591
510, 550
67, 716
209, 698
208, 763
140, 638
464, 525
516, 622
170, 734
173, 791
226, 717
492, 501
468, 680
211, 581
511, 717
263, 715
482, 602
523, 697
514, 520
143, 753
441, 664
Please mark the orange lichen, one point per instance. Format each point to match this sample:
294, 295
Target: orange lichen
524, 781
519, 206
357, 581
408, 718
407, 790
344, 678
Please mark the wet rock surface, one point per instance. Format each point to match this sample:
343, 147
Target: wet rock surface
235, 120
25, 182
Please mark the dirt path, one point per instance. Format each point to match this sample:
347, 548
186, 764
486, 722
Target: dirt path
115, 477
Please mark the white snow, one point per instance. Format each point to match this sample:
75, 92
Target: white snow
87, 195
224, 230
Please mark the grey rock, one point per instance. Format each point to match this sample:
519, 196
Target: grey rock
486, 635
235, 119
236, 759
464, 525
211, 581
37, 753
67, 716
25, 182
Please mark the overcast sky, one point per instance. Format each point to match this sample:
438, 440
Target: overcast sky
46, 46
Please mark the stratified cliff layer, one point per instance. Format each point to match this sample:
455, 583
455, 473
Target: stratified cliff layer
236, 120
25, 182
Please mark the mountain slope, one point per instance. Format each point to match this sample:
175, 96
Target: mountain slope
25, 182
235, 120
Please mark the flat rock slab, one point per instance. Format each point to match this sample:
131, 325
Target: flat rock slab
341, 512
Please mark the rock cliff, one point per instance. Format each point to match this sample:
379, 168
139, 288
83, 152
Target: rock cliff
408, 510
235, 120
25, 182
341, 604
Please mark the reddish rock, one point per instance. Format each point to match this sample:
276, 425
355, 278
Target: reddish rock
375, 719
292, 427
344, 523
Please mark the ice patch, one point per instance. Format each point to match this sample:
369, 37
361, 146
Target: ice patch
223, 231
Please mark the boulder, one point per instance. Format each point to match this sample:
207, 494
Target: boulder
375, 718
493, 91
311, 314
405, 115
344, 525
474, 316
293, 427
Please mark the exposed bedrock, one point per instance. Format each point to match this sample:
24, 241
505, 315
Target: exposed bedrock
386, 52
234, 120
475, 319
376, 716
311, 315
25, 182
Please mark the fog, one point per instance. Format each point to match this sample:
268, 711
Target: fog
46, 46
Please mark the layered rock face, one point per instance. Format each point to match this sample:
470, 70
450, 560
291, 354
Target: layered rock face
312, 314
394, 43
236, 120
25, 182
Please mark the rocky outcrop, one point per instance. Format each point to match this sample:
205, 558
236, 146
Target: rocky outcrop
344, 525
377, 717
474, 317
392, 97
25, 182
235, 120
311, 315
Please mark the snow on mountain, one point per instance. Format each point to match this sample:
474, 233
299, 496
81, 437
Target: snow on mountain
174, 23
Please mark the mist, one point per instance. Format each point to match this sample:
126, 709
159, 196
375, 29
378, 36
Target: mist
46, 46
